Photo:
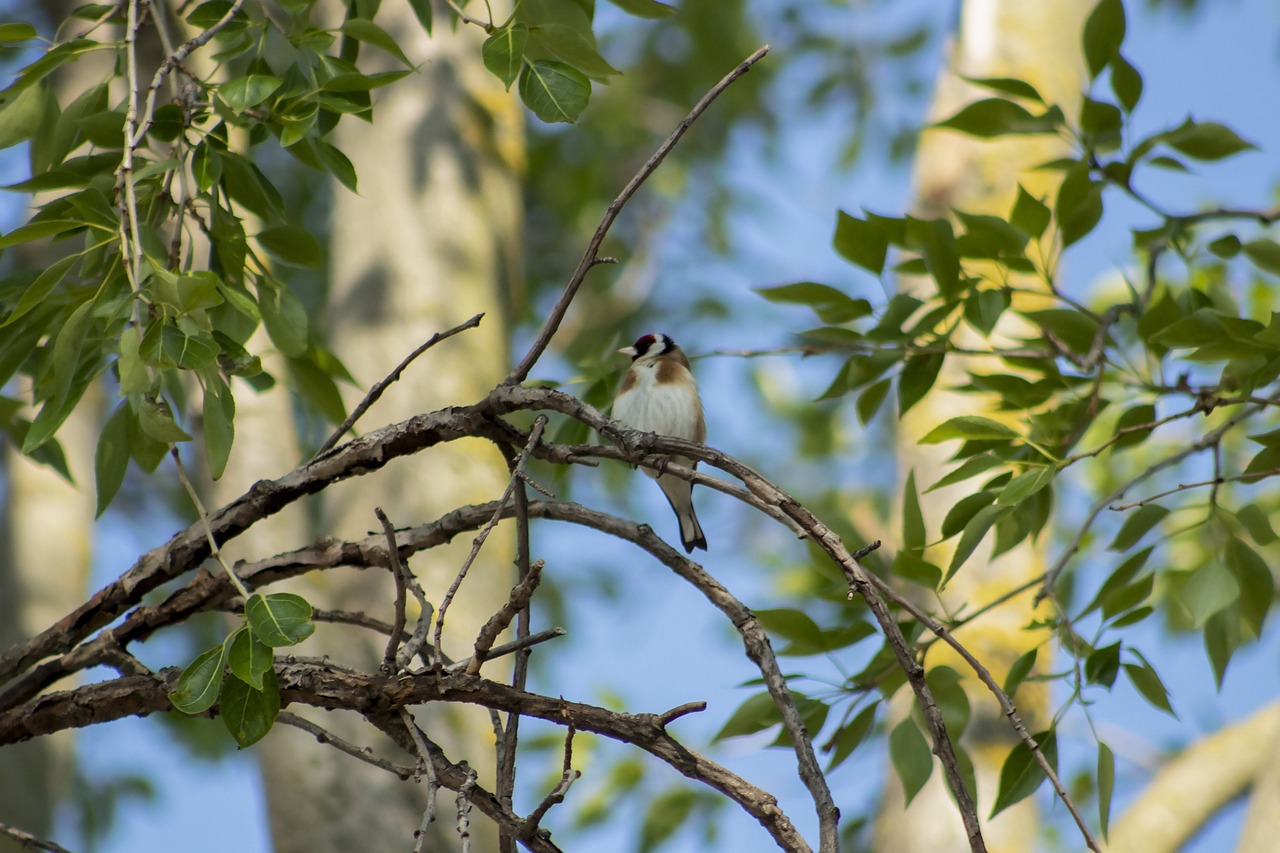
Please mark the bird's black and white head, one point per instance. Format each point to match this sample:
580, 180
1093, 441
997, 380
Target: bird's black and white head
650, 346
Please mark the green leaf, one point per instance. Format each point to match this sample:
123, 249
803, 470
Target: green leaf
1255, 521
337, 164
983, 309
423, 12
573, 47
157, 422
797, 627
1074, 328
1264, 253
20, 117
249, 658
1006, 86
937, 245
754, 715
249, 713
247, 92
1079, 205
911, 757
1103, 34
1221, 639
1026, 484
1106, 785
948, 692
318, 389
667, 812
68, 346
1207, 140
969, 427
279, 619
284, 317
831, 305
556, 92
919, 372
1257, 586
39, 290
973, 534
219, 424
111, 460
1126, 82
37, 230
645, 8
198, 686
1102, 665
1147, 680
861, 242
12, 32
870, 400
993, 117
971, 467
1030, 215
1135, 416
846, 740
1137, 525
1210, 590
293, 245
1019, 671
372, 34
964, 510
913, 529
908, 566
130, 367
205, 166
1021, 775
503, 52
167, 345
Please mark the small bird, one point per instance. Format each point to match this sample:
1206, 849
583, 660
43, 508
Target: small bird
659, 394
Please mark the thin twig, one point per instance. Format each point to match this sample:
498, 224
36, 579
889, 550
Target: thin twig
377, 390
591, 256
1006, 703
398, 571
26, 839
528, 576
425, 765
1210, 439
215, 551
515, 481
324, 736
517, 645
1182, 487
516, 603
567, 777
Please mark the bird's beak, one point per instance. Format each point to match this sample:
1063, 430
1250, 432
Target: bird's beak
628, 351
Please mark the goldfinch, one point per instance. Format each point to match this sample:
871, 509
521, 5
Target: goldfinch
659, 394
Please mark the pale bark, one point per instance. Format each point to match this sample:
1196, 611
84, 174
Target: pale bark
1033, 42
1200, 781
426, 244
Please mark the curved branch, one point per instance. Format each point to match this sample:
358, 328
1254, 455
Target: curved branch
325, 684
591, 256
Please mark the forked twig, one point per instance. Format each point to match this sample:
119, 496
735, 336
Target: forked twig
591, 257
379, 387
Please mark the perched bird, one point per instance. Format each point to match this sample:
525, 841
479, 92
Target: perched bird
659, 394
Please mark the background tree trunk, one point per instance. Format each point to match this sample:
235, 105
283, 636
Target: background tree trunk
431, 239
1032, 42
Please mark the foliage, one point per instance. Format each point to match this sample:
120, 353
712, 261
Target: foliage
1167, 390
1112, 400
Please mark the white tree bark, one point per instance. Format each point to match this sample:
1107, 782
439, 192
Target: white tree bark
1033, 42
431, 239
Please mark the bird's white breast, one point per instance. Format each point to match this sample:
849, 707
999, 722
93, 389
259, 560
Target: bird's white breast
667, 408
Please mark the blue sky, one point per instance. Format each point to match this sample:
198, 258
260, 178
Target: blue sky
1220, 65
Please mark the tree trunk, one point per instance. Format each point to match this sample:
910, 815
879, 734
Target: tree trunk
1033, 42
430, 240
